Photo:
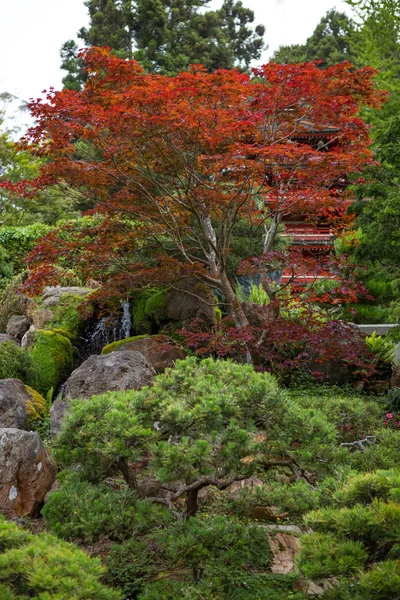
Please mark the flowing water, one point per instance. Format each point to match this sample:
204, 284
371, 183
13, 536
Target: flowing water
106, 331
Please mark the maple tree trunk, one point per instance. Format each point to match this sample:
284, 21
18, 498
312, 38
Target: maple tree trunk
233, 301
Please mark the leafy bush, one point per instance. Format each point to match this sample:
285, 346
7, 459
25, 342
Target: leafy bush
256, 294
382, 347
6, 271
300, 339
327, 556
84, 512
363, 488
354, 415
43, 567
19, 241
393, 400
51, 355
15, 362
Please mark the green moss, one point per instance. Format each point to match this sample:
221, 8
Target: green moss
148, 306
66, 315
111, 347
51, 356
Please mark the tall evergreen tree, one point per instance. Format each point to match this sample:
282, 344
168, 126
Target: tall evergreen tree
330, 43
166, 36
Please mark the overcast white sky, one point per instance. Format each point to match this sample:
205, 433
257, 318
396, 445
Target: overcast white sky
32, 31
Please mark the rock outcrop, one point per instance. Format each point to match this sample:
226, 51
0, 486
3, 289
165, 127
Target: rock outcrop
17, 326
13, 403
4, 338
191, 300
159, 354
52, 295
26, 473
117, 371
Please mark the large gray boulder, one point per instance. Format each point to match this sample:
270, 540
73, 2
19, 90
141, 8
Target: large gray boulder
26, 473
190, 300
117, 371
159, 354
17, 325
13, 401
53, 295
4, 338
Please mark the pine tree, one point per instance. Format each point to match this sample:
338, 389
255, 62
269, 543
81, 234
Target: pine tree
166, 36
330, 43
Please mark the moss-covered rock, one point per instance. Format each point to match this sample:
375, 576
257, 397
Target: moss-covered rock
114, 345
147, 310
159, 350
51, 355
35, 407
66, 315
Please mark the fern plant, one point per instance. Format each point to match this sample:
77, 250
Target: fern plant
382, 347
393, 400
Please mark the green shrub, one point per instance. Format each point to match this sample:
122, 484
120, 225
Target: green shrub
361, 539
367, 314
51, 355
43, 567
15, 362
19, 241
292, 499
328, 556
6, 271
246, 587
392, 400
363, 488
382, 347
202, 553
84, 512
354, 415
394, 311
216, 421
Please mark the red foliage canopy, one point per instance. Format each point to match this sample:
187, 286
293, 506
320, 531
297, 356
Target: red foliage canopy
179, 161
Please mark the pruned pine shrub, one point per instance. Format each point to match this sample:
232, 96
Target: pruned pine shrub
213, 557
84, 512
43, 567
359, 542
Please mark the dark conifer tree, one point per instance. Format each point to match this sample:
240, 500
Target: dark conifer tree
330, 43
166, 36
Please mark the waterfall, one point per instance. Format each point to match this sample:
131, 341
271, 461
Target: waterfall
126, 322
108, 330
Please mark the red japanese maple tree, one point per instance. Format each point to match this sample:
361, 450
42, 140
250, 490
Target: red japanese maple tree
173, 164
